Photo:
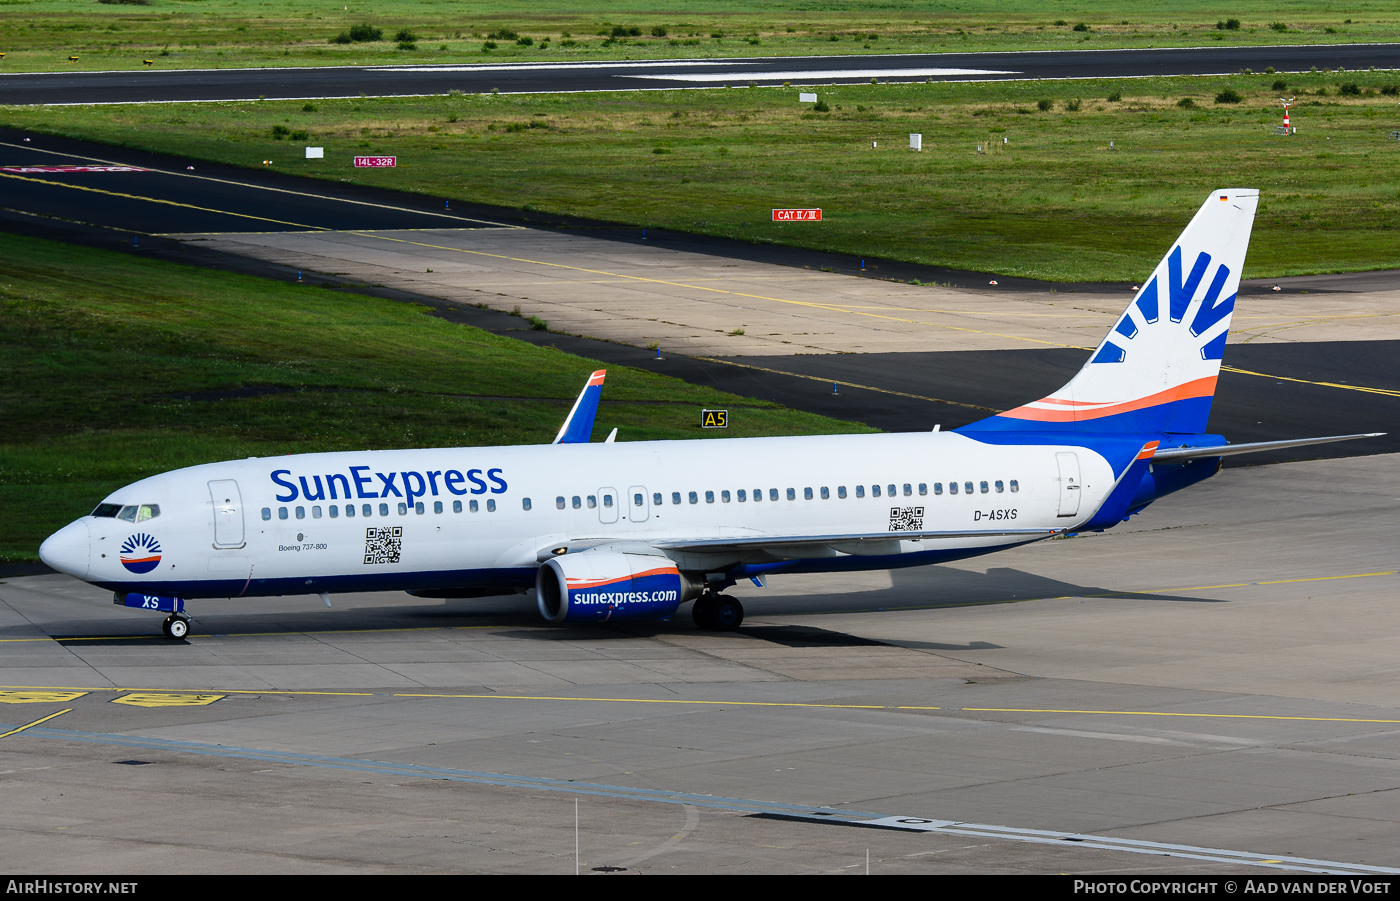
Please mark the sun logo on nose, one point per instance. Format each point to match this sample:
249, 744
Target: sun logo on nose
140, 553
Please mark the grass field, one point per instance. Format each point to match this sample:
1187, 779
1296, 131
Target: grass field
96, 344
42, 35
1085, 188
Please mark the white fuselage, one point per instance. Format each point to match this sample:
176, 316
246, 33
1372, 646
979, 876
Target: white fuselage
435, 519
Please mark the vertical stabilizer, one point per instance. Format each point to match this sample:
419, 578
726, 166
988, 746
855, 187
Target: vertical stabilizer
1156, 370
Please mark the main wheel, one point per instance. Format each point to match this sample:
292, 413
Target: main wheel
702, 613
727, 614
177, 627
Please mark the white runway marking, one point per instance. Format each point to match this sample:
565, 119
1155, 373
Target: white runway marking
821, 74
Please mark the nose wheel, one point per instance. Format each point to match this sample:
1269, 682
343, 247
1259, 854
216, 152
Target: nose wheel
176, 626
717, 613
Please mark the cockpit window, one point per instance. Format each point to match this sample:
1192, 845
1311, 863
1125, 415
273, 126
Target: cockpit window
132, 512
107, 510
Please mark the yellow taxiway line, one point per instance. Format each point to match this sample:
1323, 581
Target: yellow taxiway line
35, 723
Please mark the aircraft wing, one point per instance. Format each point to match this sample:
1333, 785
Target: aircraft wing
578, 427
1180, 454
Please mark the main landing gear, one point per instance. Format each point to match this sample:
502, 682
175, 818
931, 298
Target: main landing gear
176, 626
717, 613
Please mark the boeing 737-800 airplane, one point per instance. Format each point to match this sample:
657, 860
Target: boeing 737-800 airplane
607, 532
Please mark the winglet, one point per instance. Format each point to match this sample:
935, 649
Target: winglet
578, 427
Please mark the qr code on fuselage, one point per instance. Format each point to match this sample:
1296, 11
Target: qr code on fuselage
383, 545
906, 519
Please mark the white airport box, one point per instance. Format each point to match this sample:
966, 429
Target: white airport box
804, 97
916, 142
315, 153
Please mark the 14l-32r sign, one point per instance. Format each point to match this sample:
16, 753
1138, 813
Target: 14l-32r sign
797, 215
376, 162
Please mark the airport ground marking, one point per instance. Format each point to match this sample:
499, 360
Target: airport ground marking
827, 381
227, 691
241, 184
39, 696
1221, 716
188, 206
35, 723
167, 699
1388, 392
64, 638
666, 701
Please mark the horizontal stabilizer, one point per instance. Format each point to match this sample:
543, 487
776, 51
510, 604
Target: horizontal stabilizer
1176, 454
578, 427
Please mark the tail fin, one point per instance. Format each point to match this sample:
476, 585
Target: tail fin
1156, 370
578, 427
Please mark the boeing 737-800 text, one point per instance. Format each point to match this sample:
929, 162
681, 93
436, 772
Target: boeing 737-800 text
613, 531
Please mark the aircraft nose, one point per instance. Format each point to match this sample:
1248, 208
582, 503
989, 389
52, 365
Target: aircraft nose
68, 549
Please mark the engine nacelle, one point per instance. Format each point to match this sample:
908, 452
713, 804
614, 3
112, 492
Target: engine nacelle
607, 586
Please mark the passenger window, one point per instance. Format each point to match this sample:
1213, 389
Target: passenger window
491, 506
841, 492
826, 493
437, 507
403, 509
694, 498
592, 502
334, 511
757, 495
559, 502
383, 509
1000, 486
636, 500
607, 501
316, 512
128, 514
952, 487
806, 494
1015, 486
576, 502
656, 499
709, 497
281, 512
791, 494
937, 488
524, 504
967, 487
301, 512
675, 497
350, 511
418, 507
983, 486
892, 491
874, 490
471, 505
456, 506
923, 489
266, 513
367, 510
724, 496
908, 489
772, 494
743, 495
860, 491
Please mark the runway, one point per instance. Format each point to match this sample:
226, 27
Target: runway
155, 86
1209, 689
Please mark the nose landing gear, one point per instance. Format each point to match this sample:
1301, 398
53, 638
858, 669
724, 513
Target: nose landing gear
176, 626
717, 613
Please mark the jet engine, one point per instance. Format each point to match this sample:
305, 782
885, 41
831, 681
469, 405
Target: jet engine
605, 586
